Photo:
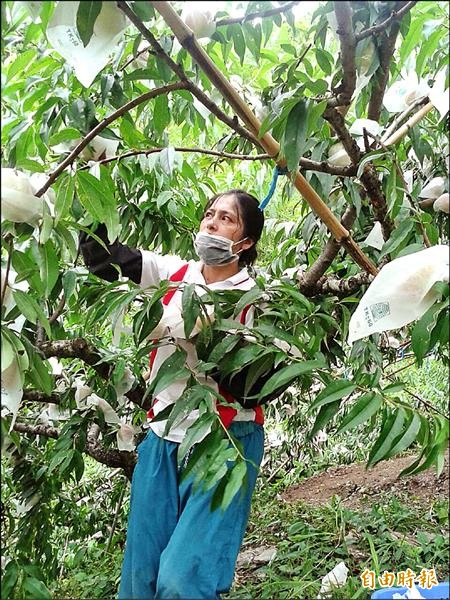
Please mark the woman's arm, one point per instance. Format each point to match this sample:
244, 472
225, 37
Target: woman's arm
100, 261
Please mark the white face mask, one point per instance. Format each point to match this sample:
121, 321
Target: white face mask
215, 249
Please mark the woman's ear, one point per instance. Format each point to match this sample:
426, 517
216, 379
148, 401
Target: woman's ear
246, 244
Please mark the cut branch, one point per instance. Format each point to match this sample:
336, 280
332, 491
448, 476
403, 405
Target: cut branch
257, 15
402, 116
344, 13
180, 85
272, 147
396, 15
400, 133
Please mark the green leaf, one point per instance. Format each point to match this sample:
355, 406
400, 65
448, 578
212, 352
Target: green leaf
334, 391
407, 437
421, 334
366, 406
190, 307
69, 282
87, 14
399, 235
64, 198
249, 298
9, 579
288, 374
49, 266
148, 319
324, 60
195, 433
325, 414
33, 588
238, 42
295, 134
183, 406
167, 159
161, 114
223, 347
171, 369
39, 374
31, 309
389, 432
97, 199
21, 63
69, 133
229, 486
144, 10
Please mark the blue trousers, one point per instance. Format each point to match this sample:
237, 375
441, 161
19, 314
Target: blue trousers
176, 547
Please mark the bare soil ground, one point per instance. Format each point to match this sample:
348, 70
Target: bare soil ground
353, 482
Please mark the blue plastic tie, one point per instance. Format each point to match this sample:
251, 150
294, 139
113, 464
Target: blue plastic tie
276, 172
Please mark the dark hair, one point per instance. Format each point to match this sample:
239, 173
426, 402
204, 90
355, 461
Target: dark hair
252, 220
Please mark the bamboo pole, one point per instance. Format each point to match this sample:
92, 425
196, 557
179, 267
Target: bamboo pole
187, 39
403, 130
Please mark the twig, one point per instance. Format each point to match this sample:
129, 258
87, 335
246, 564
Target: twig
116, 515
256, 15
10, 241
394, 16
180, 85
58, 311
304, 163
422, 401
228, 155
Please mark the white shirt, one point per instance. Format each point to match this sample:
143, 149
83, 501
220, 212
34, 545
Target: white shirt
156, 268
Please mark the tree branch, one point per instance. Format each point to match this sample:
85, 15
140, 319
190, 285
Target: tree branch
80, 348
37, 396
109, 456
178, 70
369, 177
44, 430
386, 47
396, 15
342, 287
257, 15
343, 11
180, 85
328, 254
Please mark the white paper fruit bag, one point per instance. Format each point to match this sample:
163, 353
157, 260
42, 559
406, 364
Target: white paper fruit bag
86, 61
400, 293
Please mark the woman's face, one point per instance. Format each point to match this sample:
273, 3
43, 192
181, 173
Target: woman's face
222, 218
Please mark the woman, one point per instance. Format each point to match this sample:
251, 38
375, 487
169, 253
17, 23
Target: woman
176, 546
